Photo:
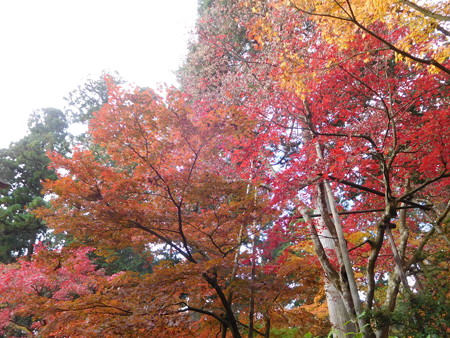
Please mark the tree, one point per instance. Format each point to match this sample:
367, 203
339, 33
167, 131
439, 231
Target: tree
163, 183
89, 97
296, 167
24, 165
217, 52
28, 286
341, 129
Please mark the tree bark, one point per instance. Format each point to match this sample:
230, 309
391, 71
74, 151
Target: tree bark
231, 319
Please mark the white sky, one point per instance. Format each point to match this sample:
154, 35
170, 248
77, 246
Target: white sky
49, 47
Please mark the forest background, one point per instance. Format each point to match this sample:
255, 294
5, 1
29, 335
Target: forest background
295, 184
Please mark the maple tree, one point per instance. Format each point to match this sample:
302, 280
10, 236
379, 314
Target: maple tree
421, 28
159, 180
344, 129
28, 285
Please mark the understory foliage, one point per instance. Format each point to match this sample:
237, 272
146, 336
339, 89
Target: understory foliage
297, 183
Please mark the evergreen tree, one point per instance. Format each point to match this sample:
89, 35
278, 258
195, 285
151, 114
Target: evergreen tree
24, 165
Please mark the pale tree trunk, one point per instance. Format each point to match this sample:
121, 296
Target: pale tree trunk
344, 304
343, 301
337, 308
339, 303
252, 291
348, 289
338, 312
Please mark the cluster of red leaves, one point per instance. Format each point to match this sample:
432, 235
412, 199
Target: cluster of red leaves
31, 288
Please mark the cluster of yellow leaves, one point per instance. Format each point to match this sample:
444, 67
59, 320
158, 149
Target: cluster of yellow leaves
425, 23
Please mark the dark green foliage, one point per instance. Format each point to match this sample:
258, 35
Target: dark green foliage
426, 311
424, 315
24, 165
203, 5
220, 44
285, 332
84, 101
48, 130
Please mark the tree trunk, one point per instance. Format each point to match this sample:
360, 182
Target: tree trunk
339, 316
342, 294
349, 291
231, 319
252, 292
338, 310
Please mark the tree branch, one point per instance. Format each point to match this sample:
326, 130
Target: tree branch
202, 311
422, 186
368, 210
330, 271
231, 322
426, 12
166, 240
403, 198
353, 19
430, 62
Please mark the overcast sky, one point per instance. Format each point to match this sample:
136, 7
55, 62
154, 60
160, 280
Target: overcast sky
49, 47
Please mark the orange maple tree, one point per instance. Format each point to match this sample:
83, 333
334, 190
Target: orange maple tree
157, 179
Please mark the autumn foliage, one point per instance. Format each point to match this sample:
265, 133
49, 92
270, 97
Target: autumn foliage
297, 182
158, 180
